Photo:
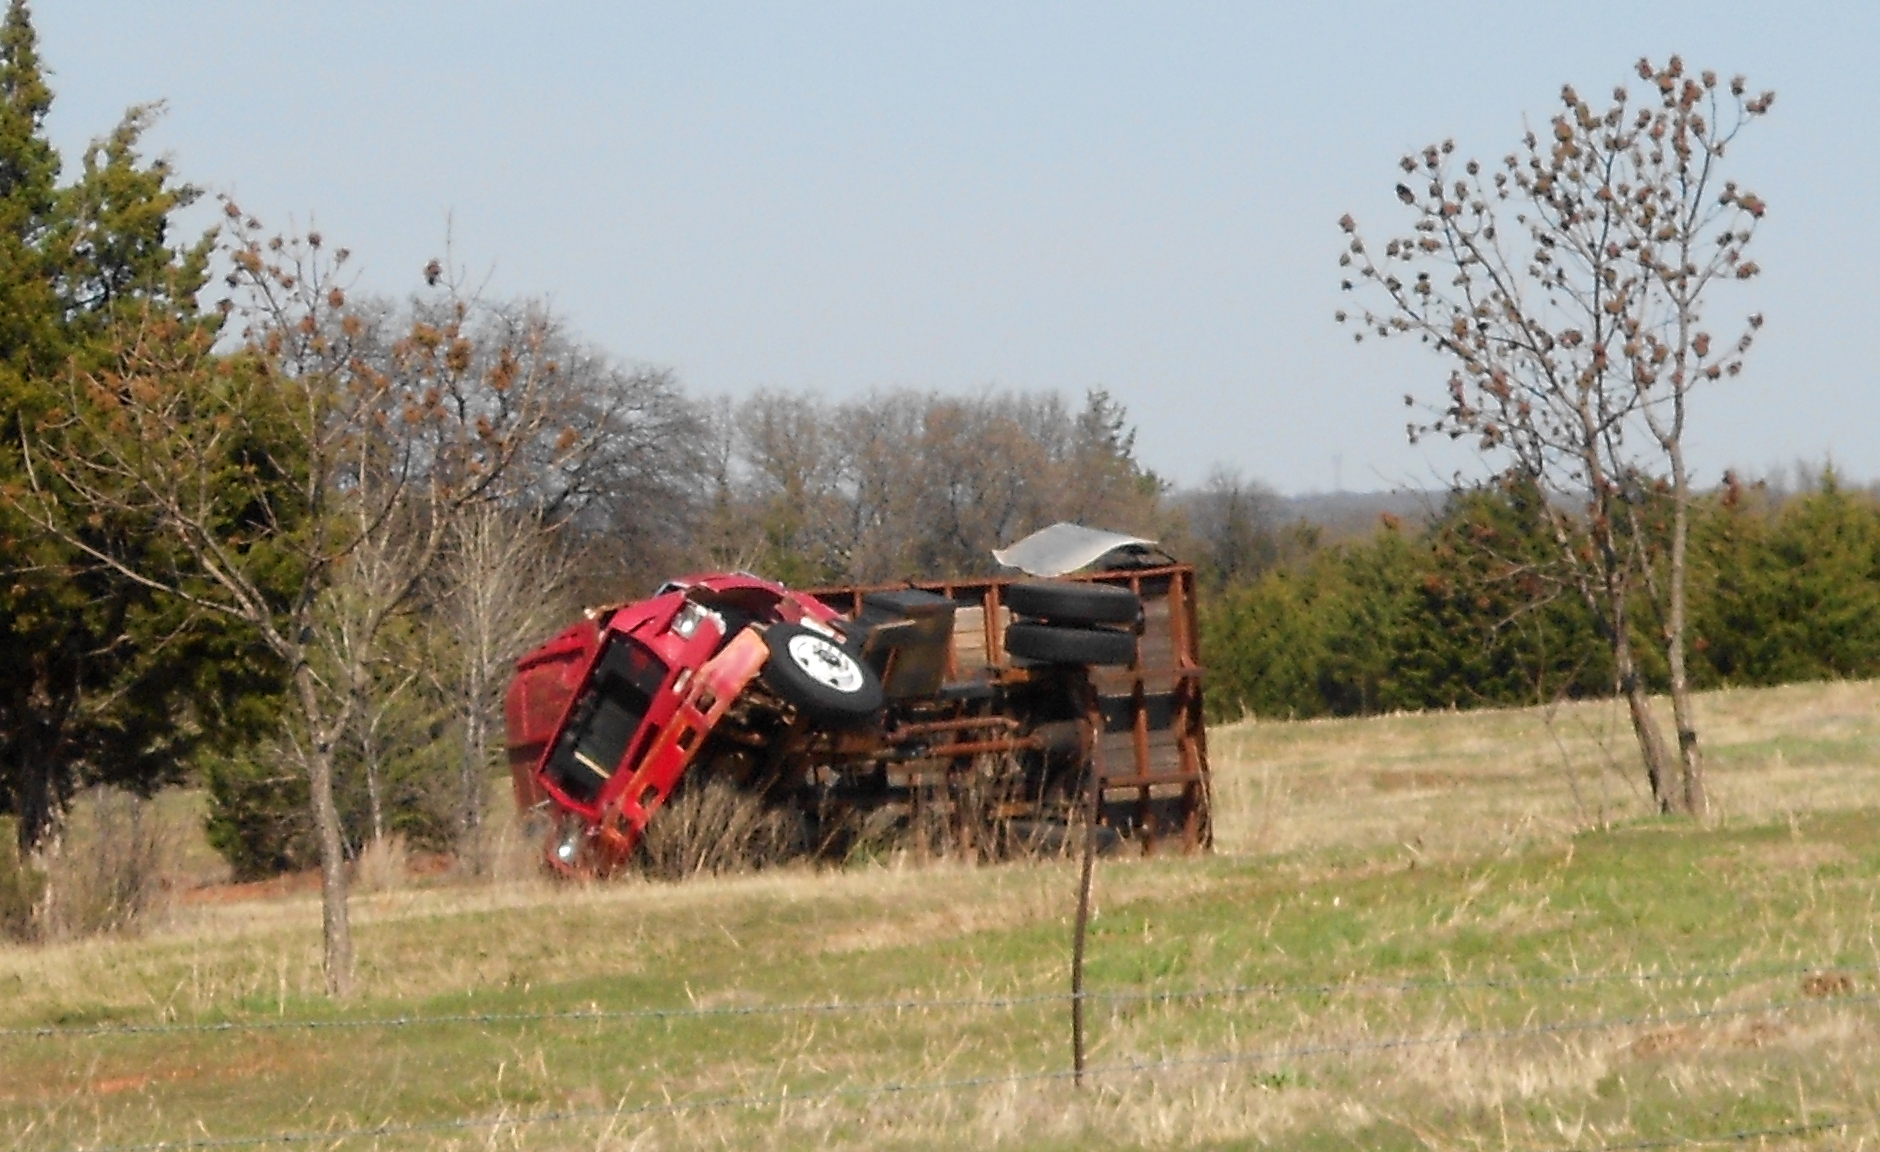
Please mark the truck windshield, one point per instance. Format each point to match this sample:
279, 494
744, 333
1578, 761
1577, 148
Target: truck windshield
601, 728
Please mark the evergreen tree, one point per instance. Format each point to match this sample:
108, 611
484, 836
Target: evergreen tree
1792, 593
1491, 625
29, 172
102, 682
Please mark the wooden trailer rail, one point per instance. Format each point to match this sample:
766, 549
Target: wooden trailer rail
1152, 748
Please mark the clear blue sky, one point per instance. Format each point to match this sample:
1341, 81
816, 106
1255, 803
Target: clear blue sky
961, 195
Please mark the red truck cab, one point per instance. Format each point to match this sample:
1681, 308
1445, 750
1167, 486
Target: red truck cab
605, 718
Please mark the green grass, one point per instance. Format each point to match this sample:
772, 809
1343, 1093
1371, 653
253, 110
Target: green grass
1405, 880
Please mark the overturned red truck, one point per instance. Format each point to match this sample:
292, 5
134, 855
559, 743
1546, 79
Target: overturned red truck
985, 706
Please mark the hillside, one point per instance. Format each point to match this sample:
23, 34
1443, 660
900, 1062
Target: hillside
1436, 931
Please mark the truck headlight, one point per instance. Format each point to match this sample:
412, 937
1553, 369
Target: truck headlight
686, 623
569, 845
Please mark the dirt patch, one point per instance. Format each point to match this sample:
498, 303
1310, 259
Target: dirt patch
419, 865
431, 863
1664, 1040
47, 1091
273, 888
1823, 985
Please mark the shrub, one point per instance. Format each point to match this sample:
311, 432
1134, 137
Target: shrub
22, 886
258, 801
712, 826
105, 871
258, 813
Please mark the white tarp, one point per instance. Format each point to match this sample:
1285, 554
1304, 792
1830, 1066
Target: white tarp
1063, 548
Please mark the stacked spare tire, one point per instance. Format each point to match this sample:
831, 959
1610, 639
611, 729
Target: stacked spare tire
1059, 622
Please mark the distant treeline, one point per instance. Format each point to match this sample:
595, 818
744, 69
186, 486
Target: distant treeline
1465, 611
902, 484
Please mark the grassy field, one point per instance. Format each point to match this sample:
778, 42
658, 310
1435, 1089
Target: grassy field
1440, 931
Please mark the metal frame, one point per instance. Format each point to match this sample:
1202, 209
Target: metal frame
1152, 744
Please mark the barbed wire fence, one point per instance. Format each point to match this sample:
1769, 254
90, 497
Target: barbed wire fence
1835, 977
837, 1007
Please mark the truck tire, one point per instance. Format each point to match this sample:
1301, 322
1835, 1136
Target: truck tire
1062, 644
825, 681
1063, 602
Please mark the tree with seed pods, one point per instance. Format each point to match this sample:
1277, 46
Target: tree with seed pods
1567, 287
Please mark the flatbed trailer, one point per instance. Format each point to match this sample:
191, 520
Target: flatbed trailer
1151, 753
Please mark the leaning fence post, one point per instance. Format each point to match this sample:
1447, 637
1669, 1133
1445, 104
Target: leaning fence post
1094, 712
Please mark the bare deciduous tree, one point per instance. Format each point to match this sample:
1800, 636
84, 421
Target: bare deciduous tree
900, 484
497, 592
793, 471
1230, 527
304, 485
1568, 284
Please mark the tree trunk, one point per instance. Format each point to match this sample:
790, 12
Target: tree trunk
1693, 799
476, 756
369, 757
336, 930
36, 794
1608, 603
41, 778
1651, 739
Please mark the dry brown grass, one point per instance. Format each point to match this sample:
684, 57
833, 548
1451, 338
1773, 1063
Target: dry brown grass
1466, 783
714, 828
1542, 1095
384, 865
1403, 848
